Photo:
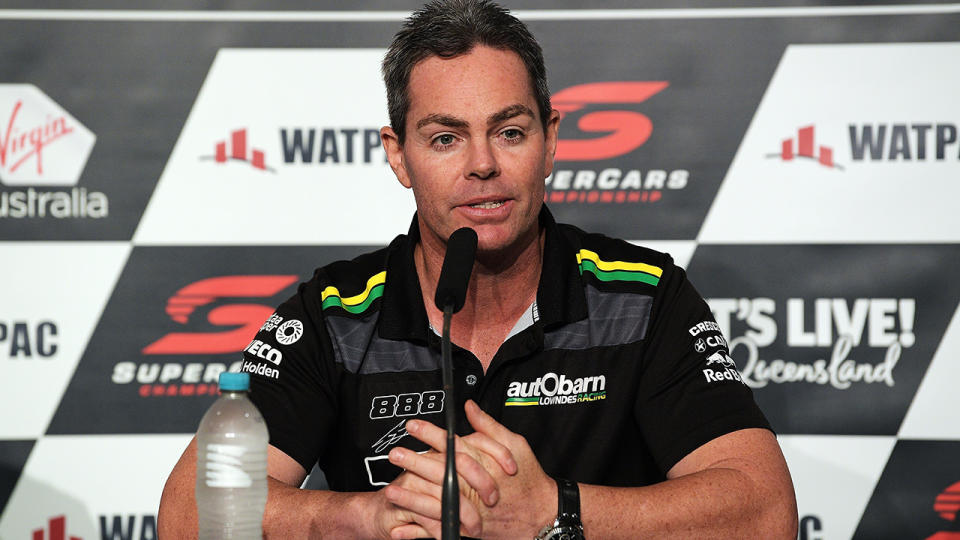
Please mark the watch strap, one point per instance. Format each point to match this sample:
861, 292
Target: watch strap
568, 506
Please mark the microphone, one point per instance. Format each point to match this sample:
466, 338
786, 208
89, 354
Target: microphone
457, 266
450, 297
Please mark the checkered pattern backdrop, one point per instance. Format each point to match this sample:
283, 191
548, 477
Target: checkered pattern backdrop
167, 177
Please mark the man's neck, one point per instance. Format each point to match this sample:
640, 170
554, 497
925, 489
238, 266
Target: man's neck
502, 286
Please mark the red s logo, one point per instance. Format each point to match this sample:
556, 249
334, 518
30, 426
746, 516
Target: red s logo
947, 504
246, 317
626, 130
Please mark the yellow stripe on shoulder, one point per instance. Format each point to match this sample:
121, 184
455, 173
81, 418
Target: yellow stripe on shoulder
375, 280
609, 266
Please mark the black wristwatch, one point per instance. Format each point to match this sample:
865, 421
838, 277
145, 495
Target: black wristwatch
567, 525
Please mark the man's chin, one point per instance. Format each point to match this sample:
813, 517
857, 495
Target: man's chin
493, 244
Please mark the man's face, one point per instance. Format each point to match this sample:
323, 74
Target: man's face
475, 153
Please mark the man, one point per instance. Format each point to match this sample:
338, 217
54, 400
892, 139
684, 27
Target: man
588, 357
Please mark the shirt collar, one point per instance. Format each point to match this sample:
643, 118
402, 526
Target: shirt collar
560, 296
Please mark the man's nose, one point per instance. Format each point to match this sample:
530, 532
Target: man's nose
482, 163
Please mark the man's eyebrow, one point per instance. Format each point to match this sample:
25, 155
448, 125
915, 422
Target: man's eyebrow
443, 120
510, 112
454, 122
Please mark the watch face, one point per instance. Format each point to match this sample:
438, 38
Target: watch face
564, 532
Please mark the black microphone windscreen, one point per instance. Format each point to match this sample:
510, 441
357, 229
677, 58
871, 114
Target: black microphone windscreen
457, 266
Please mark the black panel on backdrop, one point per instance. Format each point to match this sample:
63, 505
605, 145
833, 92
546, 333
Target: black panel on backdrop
918, 495
833, 339
178, 317
13, 455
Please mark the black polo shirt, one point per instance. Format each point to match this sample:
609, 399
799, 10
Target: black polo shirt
622, 373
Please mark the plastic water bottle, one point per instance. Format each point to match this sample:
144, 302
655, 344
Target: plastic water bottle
232, 443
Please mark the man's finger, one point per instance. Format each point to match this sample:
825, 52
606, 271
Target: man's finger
420, 506
430, 434
484, 423
432, 468
414, 482
478, 478
436, 438
500, 453
413, 501
421, 465
409, 531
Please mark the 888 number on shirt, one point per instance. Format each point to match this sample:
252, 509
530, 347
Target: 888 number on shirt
402, 405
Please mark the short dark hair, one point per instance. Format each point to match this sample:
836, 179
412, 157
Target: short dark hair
449, 28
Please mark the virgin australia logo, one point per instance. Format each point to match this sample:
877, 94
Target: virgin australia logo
40, 143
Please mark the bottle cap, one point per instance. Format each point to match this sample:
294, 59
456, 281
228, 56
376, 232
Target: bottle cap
234, 381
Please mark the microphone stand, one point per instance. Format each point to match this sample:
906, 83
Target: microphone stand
450, 499
450, 296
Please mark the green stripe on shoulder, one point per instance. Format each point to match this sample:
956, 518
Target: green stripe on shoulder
588, 261
331, 297
617, 275
335, 301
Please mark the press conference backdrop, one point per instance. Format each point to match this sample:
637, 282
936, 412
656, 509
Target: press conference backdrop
168, 176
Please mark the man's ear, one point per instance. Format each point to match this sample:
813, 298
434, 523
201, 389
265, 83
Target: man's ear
550, 140
391, 144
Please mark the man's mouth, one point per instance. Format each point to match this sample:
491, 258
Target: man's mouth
488, 205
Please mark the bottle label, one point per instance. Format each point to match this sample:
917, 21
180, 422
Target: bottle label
224, 466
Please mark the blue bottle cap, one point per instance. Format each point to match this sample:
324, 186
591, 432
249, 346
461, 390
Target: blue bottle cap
234, 381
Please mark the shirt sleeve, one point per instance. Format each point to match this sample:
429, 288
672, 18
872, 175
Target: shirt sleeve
690, 391
293, 377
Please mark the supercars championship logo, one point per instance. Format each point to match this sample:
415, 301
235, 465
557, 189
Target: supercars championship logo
624, 131
240, 320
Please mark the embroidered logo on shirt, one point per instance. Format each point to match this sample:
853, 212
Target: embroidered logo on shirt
391, 437
553, 389
289, 332
720, 367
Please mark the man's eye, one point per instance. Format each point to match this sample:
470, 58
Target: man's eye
444, 140
512, 134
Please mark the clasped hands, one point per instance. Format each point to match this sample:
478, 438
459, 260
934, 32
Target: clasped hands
504, 493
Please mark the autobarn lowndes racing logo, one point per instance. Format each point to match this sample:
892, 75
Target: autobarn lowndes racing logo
43, 146
623, 130
554, 389
832, 328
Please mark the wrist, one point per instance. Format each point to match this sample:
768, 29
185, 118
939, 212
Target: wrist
361, 510
567, 524
548, 507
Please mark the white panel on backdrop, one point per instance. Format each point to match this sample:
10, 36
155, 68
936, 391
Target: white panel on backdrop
933, 413
282, 147
850, 143
680, 250
96, 483
834, 476
53, 294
